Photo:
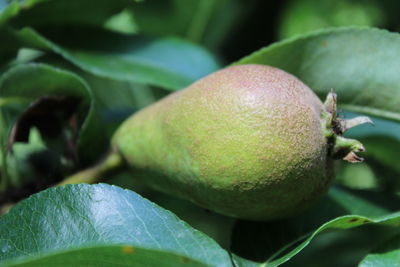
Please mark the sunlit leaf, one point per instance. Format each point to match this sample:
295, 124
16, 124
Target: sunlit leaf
56, 224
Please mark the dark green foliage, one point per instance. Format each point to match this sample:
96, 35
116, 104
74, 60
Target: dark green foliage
72, 70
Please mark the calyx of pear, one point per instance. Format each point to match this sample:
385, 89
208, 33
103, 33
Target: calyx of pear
249, 141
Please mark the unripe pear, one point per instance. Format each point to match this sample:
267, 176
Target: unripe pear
249, 141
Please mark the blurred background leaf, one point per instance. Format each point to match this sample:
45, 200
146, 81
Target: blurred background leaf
387, 254
208, 22
304, 16
54, 13
340, 209
342, 248
57, 103
9, 47
165, 62
380, 170
23, 84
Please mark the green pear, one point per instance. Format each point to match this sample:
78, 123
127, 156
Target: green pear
249, 141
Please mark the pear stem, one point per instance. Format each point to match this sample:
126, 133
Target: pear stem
113, 163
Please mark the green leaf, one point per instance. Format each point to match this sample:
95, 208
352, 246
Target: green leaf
216, 226
360, 64
54, 13
274, 243
42, 13
24, 84
303, 16
127, 98
388, 254
174, 17
348, 247
115, 99
357, 176
8, 11
382, 144
11, 8
207, 22
73, 217
20, 167
9, 47
105, 256
169, 62
383, 149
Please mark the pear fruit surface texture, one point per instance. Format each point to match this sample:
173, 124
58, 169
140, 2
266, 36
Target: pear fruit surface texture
247, 141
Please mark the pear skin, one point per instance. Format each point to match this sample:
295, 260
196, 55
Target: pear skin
248, 141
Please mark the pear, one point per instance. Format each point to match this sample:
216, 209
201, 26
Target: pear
248, 141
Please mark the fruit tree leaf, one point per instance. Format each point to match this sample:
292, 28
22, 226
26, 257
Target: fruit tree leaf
74, 217
388, 254
11, 8
382, 141
24, 84
105, 256
8, 10
39, 13
299, 17
171, 63
9, 47
175, 17
342, 209
360, 64
54, 13
207, 22
343, 222
348, 247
